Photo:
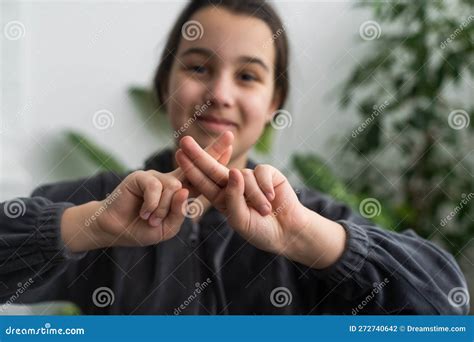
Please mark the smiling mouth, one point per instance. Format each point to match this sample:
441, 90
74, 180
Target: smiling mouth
213, 124
216, 120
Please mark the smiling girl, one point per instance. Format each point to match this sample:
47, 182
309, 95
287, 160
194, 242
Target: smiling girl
258, 246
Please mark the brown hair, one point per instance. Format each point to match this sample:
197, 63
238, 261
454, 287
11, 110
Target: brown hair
255, 8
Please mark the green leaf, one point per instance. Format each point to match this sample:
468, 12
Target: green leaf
317, 175
150, 109
97, 155
264, 143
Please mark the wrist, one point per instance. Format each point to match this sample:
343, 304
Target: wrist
80, 228
318, 242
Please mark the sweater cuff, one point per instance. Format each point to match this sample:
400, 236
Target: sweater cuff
352, 259
48, 230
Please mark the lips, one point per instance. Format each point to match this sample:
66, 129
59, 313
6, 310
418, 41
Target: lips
215, 125
216, 120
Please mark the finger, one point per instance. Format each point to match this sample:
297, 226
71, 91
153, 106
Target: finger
237, 210
264, 176
199, 180
215, 150
254, 194
150, 188
217, 172
176, 215
193, 192
163, 208
225, 158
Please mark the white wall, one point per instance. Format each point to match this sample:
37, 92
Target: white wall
79, 57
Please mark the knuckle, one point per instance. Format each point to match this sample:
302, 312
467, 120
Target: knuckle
136, 174
153, 173
246, 172
175, 184
154, 184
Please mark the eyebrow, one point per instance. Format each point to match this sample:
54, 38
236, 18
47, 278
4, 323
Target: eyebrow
208, 53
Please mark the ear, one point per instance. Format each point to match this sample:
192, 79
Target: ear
273, 107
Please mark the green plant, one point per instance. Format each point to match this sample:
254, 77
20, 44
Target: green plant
413, 149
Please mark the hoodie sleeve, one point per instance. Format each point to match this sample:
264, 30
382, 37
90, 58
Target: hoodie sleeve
31, 244
384, 272
32, 250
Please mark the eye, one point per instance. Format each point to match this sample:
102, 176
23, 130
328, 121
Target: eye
197, 69
247, 77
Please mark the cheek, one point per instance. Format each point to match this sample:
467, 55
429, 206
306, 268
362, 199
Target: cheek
256, 108
184, 94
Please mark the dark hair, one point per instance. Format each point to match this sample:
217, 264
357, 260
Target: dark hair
255, 8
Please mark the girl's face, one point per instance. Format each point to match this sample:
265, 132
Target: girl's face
223, 80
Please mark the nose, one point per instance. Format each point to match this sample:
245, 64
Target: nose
221, 91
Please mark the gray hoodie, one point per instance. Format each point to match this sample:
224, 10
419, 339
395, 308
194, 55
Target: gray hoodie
207, 268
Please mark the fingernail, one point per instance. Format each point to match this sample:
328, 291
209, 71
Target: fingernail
146, 215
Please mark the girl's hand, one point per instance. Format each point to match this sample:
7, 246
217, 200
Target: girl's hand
147, 207
259, 204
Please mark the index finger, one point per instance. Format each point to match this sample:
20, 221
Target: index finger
210, 167
216, 151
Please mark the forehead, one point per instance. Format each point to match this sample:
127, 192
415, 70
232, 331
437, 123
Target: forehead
230, 35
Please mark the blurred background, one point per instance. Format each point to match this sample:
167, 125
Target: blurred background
381, 98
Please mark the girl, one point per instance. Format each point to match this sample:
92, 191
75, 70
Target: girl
257, 247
